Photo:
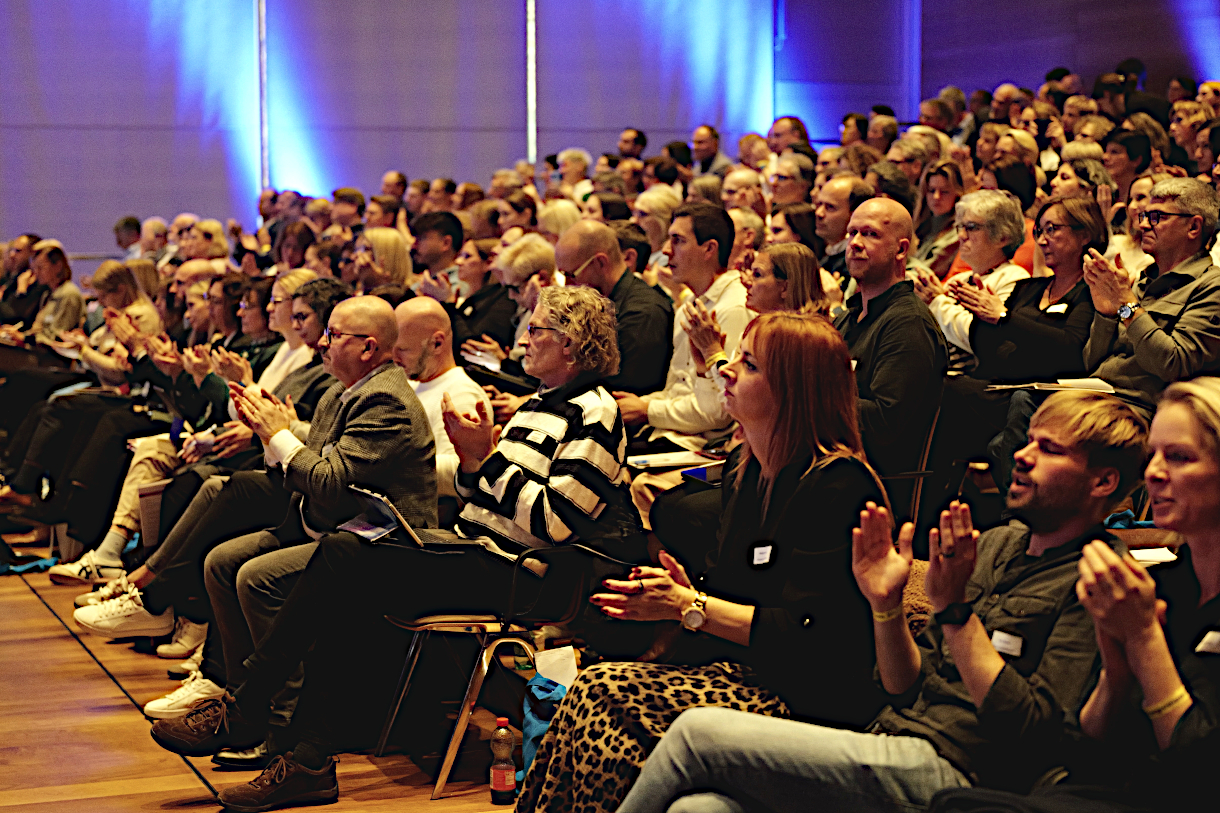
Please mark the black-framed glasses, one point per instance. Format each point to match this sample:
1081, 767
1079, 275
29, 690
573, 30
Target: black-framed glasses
331, 335
1051, 229
533, 330
969, 228
1154, 217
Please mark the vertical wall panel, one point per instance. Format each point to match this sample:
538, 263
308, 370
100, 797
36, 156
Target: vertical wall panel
664, 66
431, 87
114, 107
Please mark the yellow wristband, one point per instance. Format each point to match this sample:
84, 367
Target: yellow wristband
715, 357
888, 615
1166, 705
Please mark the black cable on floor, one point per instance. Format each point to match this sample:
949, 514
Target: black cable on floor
113, 679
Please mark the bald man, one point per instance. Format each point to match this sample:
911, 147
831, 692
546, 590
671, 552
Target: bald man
424, 350
589, 254
898, 348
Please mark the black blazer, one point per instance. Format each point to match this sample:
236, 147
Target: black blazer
1031, 344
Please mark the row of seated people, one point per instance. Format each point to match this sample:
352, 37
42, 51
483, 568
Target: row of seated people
891, 337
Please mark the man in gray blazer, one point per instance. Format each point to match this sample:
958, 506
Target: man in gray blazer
369, 430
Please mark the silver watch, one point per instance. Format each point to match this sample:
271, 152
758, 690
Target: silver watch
694, 616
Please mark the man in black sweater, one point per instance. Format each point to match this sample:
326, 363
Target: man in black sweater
898, 349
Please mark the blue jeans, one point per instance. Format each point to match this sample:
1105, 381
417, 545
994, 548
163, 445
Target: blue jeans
723, 761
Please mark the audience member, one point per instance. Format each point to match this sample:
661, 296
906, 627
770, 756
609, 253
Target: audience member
706, 152
963, 711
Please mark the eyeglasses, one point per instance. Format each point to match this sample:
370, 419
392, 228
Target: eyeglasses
1154, 216
279, 300
778, 177
969, 228
533, 330
243, 306
333, 335
575, 274
300, 318
1051, 229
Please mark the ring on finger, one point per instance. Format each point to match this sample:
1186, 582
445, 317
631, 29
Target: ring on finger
640, 582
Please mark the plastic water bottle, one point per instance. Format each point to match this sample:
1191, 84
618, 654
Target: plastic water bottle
503, 769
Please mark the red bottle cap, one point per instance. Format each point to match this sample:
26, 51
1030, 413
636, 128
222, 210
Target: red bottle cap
502, 722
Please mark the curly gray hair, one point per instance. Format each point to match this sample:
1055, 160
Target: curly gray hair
586, 319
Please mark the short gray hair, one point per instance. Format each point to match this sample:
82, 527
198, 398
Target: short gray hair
1194, 198
575, 154
586, 319
1000, 214
748, 219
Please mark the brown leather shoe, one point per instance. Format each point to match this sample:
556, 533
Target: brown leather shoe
284, 782
211, 726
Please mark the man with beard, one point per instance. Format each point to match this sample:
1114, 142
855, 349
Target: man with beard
424, 350
980, 697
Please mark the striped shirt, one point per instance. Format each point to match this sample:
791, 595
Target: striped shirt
558, 464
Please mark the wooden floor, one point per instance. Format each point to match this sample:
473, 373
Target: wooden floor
73, 738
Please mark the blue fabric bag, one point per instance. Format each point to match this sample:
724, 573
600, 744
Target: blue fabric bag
542, 696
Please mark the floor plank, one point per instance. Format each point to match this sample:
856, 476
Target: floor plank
72, 729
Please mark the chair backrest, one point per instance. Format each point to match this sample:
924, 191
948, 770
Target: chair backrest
562, 594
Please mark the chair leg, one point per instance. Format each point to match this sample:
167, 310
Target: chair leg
468, 703
404, 684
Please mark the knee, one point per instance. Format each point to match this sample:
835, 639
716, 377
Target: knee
249, 581
706, 802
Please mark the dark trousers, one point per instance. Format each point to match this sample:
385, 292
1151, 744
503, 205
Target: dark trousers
345, 592
24, 389
687, 519
248, 502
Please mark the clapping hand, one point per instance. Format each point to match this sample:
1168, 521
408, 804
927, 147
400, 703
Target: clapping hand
232, 366
165, 355
881, 571
927, 285
980, 301
474, 437
1118, 593
263, 413
437, 287
649, 593
198, 362
703, 331
486, 345
236, 438
504, 405
1108, 282
952, 552
123, 328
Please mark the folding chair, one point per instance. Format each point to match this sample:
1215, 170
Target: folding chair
565, 589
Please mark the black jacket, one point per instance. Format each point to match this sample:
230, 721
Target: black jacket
488, 310
645, 336
1031, 344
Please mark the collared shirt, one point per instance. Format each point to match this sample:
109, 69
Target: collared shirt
1176, 337
676, 412
1012, 738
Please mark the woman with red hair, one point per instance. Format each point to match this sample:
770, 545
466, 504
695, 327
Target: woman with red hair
773, 605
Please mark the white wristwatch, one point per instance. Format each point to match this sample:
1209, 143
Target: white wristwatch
694, 616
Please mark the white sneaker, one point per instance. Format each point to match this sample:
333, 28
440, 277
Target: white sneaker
113, 589
124, 616
188, 636
181, 700
191, 664
85, 570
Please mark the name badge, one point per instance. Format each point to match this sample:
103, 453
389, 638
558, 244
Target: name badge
761, 555
469, 311
1210, 643
327, 449
1006, 643
537, 436
1062, 307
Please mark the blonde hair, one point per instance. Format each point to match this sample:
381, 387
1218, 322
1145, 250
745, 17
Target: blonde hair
1108, 431
527, 256
1077, 150
290, 281
390, 251
111, 276
219, 244
660, 201
145, 274
796, 264
586, 318
557, 216
1202, 397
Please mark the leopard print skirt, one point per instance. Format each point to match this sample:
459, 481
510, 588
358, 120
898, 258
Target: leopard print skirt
610, 720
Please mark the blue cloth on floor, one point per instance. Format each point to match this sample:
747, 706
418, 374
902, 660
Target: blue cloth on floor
1126, 519
542, 696
36, 566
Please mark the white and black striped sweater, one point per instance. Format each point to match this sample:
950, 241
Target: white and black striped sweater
558, 466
